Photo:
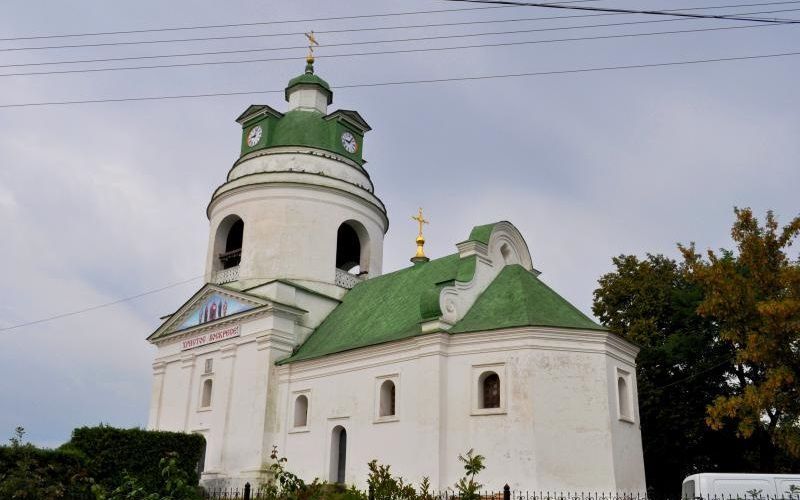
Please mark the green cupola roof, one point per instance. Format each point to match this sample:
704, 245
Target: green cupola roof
309, 78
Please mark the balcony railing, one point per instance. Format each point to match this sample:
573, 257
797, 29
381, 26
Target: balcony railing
346, 280
227, 275
231, 259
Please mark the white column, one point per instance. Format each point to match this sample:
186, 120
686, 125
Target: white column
159, 367
187, 374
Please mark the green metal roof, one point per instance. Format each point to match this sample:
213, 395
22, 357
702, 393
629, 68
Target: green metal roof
309, 78
518, 298
378, 310
391, 307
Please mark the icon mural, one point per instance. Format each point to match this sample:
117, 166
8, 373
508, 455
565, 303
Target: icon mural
214, 307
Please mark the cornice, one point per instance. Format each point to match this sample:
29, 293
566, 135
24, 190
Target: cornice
293, 179
302, 150
447, 345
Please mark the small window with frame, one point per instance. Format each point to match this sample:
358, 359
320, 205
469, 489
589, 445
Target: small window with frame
489, 391
386, 394
624, 384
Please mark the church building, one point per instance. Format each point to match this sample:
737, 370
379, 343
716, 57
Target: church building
299, 340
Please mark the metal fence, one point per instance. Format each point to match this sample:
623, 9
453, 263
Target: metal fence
249, 493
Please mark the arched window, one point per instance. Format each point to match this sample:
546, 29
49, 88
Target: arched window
338, 454
228, 244
387, 399
489, 390
301, 411
624, 398
205, 400
348, 248
352, 248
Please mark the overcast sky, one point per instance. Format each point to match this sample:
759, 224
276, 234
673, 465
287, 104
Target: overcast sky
104, 201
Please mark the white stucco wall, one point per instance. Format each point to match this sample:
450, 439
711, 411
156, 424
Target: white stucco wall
558, 427
554, 431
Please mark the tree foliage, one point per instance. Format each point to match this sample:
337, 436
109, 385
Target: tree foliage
753, 295
651, 302
710, 330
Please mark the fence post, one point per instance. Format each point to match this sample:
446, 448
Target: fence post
506, 492
371, 493
246, 491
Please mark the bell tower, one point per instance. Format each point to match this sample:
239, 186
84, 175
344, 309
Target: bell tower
298, 205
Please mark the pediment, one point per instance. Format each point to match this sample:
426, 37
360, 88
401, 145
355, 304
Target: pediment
210, 304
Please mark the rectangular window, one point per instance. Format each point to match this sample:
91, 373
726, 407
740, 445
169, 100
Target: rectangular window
209, 366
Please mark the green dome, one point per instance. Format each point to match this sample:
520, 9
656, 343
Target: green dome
309, 78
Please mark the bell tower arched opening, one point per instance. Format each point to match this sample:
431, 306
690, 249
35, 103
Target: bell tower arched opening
228, 242
352, 248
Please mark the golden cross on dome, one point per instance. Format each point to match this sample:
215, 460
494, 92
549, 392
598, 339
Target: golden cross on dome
421, 220
420, 256
311, 42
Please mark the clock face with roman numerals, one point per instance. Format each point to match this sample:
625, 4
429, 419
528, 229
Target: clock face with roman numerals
254, 136
349, 142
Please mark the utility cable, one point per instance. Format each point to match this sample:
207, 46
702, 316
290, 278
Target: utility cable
262, 35
728, 359
611, 10
383, 52
266, 23
99, 306
410, 82
261, 49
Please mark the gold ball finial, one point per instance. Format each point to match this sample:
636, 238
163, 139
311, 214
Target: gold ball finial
420, 256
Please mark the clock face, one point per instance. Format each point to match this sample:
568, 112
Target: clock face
349, 142
254, 136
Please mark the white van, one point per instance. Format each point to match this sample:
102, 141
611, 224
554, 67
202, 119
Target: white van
745, 486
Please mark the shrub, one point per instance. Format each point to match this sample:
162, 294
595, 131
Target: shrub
113, 455
32, 473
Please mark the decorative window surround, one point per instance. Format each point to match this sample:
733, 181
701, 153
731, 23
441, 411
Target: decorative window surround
295, 429
623, 382
476, 380
206, 400
395, 379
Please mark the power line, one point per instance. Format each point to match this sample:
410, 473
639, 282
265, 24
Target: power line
409, 82
613, 10
99, 306
266, 35
385, 52
242, 51
679, 381
266, 23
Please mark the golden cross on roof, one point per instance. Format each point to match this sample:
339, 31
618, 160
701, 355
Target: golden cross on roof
420, 219
311, 42
420, 256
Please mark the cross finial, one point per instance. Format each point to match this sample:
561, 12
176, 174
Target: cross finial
420, 256
311, 42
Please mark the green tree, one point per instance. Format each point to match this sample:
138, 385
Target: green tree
680, 369
753, 296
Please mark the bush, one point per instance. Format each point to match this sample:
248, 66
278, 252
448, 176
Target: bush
32, 473
114, 455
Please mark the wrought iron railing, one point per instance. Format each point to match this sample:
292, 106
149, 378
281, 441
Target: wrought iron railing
246, 492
